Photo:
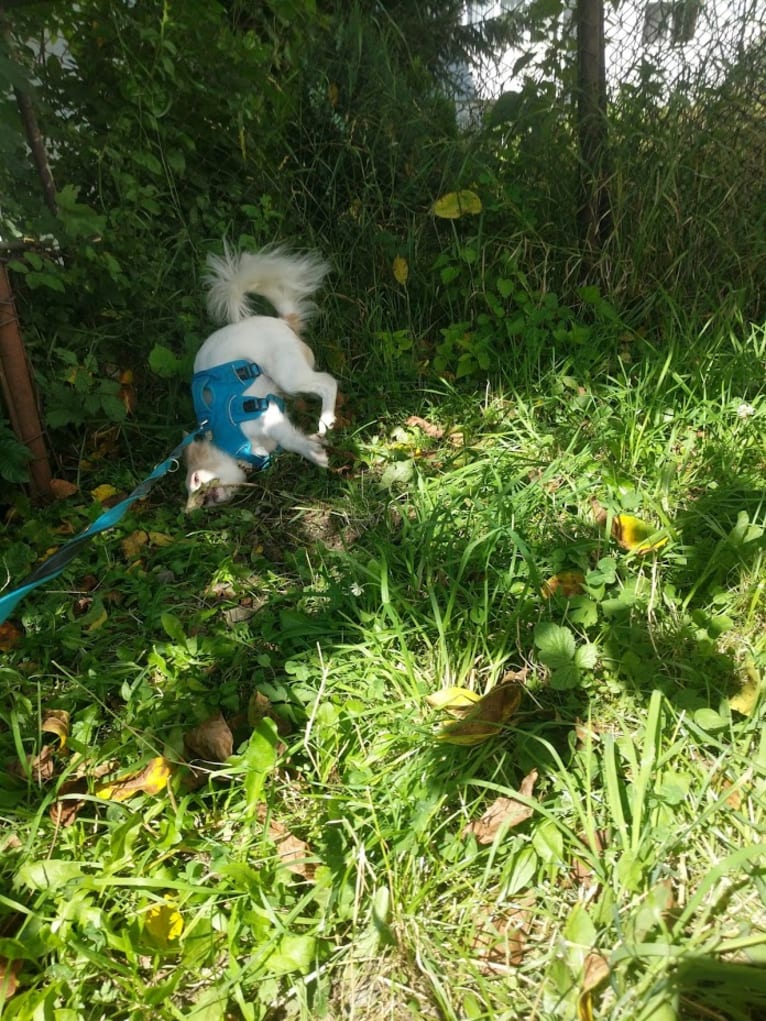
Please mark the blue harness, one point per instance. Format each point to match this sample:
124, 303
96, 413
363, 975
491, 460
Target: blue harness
221, 406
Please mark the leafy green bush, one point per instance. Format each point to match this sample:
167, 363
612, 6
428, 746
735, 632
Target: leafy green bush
14, 456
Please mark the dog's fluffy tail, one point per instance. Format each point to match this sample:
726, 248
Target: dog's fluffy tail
284, 279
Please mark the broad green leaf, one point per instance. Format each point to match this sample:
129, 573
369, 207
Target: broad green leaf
171, 625
521, 872
555, 643
397, 473
164, 363
565, 677
294, 953
586, 656
709, 720
548, 842
50, 874
259, 759
580, 934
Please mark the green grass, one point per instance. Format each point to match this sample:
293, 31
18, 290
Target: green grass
346, 599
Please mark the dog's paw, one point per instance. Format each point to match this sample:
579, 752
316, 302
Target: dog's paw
326, 422
317, 452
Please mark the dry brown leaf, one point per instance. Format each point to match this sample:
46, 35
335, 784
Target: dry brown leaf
736, 793
434, 431
500, 939
56, 721
9, 978
503, 812
260, 707
595, 973
519, 676
239, 614
61, 489
588, 731
128, 394
11, 634
211, 741
293, 852
40, 767
65, 808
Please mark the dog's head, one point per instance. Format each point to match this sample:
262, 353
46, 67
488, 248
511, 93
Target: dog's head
212, 476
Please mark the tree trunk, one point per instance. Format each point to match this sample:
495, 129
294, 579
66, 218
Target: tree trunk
37, 146
18, 390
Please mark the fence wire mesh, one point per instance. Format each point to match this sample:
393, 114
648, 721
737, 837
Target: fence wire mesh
664, 45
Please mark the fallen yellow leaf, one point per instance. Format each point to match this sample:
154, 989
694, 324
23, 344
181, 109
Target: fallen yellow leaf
486, 718
131, 544
453, 698
152, 779
455, 204
636, 535
98, 621
565, 583
160, 539
164, 922
103, 493
401, 270
746, 699
633, 534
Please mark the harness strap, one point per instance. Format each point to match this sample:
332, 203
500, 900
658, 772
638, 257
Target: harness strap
55, 564
220, 400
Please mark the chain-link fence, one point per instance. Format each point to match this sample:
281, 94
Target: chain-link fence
689, 44
666, 44
653, 113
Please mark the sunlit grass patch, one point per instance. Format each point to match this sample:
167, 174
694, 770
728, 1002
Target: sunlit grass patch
318, 849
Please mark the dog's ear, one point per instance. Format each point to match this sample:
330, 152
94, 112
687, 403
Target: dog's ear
195, 452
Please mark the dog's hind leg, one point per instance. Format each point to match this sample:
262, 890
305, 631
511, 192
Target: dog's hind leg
320, 384
274, 429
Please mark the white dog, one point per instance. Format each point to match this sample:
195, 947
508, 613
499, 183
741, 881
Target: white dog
243, 369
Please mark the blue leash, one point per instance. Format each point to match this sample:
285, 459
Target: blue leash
55, 564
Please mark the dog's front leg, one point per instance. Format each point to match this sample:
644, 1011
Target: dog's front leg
326, 388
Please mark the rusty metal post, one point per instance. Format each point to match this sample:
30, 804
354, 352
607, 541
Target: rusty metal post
19, 392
